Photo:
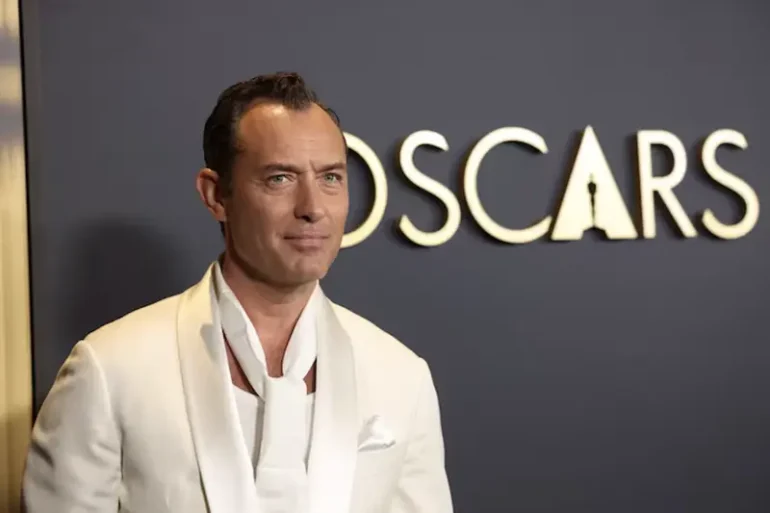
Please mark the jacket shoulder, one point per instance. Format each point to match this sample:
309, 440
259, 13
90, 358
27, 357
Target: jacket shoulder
135, 330
371, 340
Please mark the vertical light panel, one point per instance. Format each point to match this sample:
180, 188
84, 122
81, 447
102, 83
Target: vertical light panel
15, 340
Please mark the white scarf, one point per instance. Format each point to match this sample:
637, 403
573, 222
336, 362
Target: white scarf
281, 473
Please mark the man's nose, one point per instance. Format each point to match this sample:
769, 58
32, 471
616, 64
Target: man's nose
309, 205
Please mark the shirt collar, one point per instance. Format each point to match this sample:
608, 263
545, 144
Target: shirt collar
302, 349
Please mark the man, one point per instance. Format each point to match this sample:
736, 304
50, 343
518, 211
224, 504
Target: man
251, 391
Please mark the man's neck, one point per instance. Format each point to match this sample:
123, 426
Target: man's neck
272, 310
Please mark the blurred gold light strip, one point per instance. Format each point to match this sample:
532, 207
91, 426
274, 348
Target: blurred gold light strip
15, 338
10, 84
9, 18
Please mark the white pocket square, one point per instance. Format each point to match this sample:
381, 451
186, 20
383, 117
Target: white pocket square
375, 435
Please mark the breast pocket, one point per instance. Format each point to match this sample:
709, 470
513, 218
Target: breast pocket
377, 471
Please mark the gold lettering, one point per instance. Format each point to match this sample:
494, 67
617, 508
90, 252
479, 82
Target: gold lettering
730, 181
428, 184
470, 184
377, 211
592, 199
663, 185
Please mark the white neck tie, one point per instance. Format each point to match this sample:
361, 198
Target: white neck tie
281, 473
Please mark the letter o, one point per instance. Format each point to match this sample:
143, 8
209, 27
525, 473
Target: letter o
377, 212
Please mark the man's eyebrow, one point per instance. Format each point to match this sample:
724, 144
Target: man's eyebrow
335, 166
282, 166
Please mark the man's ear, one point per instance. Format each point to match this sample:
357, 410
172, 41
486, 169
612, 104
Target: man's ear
209, 186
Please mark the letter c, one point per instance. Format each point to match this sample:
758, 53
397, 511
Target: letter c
470, 183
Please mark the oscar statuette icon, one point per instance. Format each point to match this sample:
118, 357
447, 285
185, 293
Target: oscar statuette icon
592, 189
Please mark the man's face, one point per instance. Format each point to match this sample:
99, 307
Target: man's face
288, 199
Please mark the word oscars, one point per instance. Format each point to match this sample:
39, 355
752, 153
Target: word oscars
592, 200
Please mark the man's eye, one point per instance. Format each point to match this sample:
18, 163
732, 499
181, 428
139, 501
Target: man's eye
332, 177
277, 179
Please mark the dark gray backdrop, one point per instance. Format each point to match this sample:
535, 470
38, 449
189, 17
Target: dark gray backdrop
574, 377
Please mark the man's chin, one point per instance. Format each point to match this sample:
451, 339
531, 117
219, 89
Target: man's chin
304, 275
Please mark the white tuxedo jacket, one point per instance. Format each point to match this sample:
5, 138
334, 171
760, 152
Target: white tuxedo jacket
142, 419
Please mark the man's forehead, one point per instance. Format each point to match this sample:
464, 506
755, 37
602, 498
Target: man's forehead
266, 116
278, 127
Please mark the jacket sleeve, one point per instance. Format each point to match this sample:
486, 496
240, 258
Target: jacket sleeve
74, 458
423, 486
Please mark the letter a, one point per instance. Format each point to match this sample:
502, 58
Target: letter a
592, 199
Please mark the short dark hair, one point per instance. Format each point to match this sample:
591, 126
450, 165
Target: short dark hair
220, 133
